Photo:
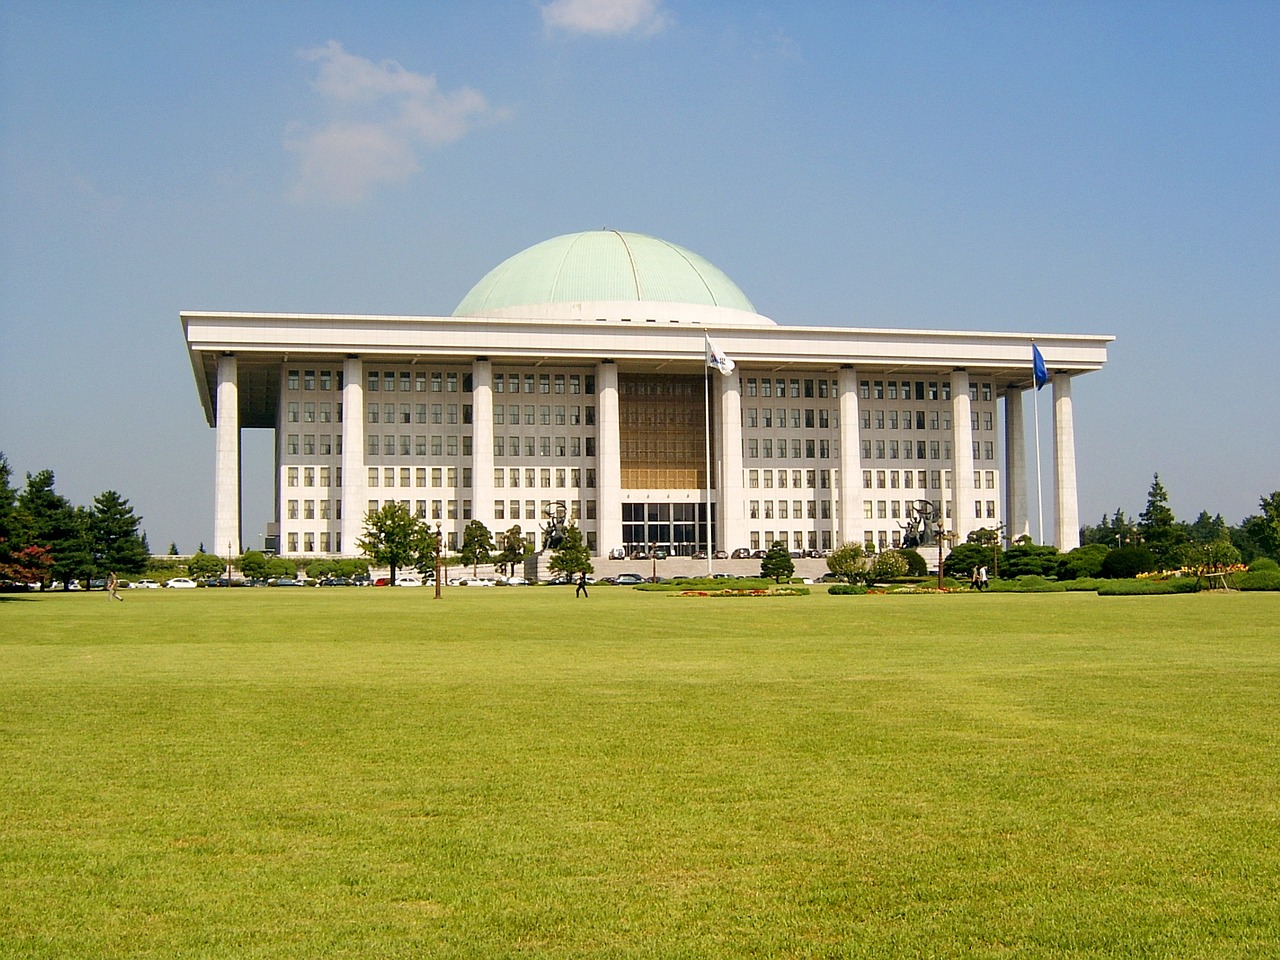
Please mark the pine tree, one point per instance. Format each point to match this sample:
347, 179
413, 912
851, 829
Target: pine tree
114, 532
777, 562
1159, 528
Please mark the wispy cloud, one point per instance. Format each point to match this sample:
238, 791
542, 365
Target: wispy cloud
606, 17
380, 118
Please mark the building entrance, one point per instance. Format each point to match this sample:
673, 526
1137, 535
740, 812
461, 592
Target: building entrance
678, 528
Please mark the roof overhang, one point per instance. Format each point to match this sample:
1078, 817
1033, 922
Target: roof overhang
262, 341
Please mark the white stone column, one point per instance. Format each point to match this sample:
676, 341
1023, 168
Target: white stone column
849, 512
1066, 515
354, 502
732, 523
482, 489
962, 492
608, 459
1017, 519
226, 460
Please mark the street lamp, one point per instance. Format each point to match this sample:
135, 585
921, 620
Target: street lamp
942, 538
439, 553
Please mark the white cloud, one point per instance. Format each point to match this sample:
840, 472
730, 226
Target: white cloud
605, 17
380, 117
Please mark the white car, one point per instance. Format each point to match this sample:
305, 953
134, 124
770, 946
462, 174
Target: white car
144, 585
180, 583
409, 580
476, 582
514, 581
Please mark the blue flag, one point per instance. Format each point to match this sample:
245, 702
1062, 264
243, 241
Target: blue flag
1038, 368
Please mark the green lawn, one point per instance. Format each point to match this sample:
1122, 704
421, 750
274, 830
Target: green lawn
516, 773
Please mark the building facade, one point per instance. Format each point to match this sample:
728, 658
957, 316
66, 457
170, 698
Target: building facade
573, 377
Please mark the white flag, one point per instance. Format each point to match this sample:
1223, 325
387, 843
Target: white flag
718, 358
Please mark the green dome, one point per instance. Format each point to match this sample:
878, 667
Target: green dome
602, 265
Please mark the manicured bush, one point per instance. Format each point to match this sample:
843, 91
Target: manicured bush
847, 590
1138, 587
1263, 579
917, 566
1083, 584
1127, 562
1263, 564
1083, 561
1026, 584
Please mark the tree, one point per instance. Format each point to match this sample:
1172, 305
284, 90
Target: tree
253, 564
777, 562
989, 538
394, 537
1030, 559
848, 562
1264, 529
114, 532
477, 545
1085, 561
45, 519
571, 556
1126, 562
1159, 528
1115, 532
173, 549
917, 566
206, 565
964, 558
513, 548
1207, 529
1212, 557
887, 565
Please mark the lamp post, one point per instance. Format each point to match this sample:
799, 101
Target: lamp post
653, 558
942, 538
995, 551
228, 583
439, 553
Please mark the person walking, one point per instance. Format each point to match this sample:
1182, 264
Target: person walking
973, 579
113, 584
982, 578
582, 587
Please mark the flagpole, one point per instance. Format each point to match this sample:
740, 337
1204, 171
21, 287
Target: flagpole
706, 407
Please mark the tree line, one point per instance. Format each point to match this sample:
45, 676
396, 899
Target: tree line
46, 539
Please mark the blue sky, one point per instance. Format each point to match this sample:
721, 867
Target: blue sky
1074, 167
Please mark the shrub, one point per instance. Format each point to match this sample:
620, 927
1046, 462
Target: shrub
1263, 564
1139, 587
1263, 579
847, 590
1083, 561
1030, 583
1126, 562
1083, 584
917, 566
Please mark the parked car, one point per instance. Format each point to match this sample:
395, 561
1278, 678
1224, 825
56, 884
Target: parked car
628, 579
285, 582
742, 553
180, 583
408, 580
144, 584
720, 555
476, 582
618, 553
513, 581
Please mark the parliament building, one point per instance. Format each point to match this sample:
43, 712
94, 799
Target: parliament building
574, 377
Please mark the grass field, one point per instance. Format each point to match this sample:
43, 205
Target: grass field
513, 773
